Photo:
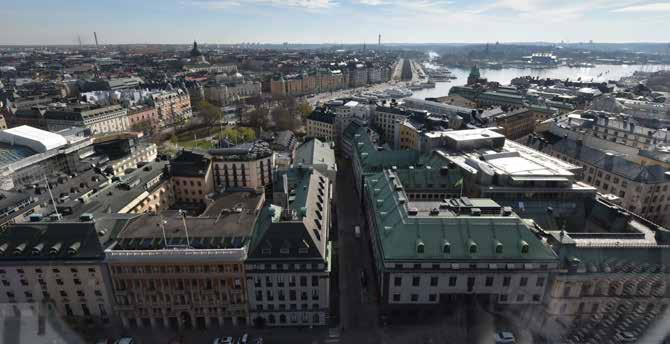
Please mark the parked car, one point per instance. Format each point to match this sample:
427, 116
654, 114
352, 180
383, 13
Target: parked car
504, 337
626, 337
223, 340
125, 340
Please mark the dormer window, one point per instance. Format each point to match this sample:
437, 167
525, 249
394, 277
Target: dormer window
499, 247
266, 251
284, 250
524, 247
472, 247
420, 247
446, 247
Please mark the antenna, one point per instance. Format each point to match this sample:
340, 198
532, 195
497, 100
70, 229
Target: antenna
51, 195
95, 35
183, 218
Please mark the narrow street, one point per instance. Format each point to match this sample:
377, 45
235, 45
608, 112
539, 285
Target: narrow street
358, 303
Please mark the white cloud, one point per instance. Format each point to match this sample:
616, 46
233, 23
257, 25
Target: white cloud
652, 7
225, 4
372, 2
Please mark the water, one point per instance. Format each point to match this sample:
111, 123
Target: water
504, 76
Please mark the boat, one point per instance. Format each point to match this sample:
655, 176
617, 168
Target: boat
398, 92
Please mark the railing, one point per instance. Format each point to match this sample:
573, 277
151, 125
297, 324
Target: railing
236, 254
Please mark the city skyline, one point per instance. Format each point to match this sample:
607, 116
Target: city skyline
347, 21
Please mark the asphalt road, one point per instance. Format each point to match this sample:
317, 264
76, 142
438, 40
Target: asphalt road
358, 303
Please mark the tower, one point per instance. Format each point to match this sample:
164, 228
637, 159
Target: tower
95, 35
379, 41
474, 76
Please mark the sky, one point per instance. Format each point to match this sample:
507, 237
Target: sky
332, 21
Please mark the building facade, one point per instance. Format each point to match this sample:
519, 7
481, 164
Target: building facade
245, 166
101, 120
289, 264
172, 106
59, 266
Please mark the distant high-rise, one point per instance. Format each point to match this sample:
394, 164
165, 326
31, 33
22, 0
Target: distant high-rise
95, 35
379, 40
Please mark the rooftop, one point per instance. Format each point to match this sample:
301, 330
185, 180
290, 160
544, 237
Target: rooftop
316, 152
429, 231
50, 241
37, 140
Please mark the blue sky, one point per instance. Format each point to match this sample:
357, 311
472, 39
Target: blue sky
333, 21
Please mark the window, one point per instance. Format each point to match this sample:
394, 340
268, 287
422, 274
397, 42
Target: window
415, 297
63, 293
523, 282
539, 282
520, 297
432, 297
315, 281
397, 281
506, 281
503, 297
452, 281
416, 280
489, 281
433, 281
536, 297
396, 297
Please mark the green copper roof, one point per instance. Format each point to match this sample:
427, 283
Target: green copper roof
399, 233
373, 159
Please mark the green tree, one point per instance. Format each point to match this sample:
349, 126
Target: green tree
304, 109
247, 134
232, 134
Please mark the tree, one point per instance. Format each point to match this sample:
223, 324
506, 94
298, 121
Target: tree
282, 118
232, 134
209, 112
247, 134
304, 109
258, 118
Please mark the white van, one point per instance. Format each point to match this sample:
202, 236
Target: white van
357, 231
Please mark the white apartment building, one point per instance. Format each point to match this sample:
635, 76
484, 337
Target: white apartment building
101, 120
